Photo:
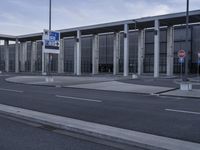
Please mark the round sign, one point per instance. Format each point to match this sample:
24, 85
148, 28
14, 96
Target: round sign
181, 53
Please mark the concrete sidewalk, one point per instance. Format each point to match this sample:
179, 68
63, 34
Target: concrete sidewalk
143, 85
123, 87
99, 131
109, 83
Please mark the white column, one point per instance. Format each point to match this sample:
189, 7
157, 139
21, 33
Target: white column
141, 51
61, 57
6, 44
170, 51
95, 55
78, 55
17, 56
33, 56
126, 50
23, 55
116, 54
156, 49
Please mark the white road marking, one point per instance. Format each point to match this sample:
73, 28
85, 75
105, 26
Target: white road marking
11, 90
183, 111
78, 98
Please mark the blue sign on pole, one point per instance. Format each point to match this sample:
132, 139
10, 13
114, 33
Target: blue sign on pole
181, 60
51, 40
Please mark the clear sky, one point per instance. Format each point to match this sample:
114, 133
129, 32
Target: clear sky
29, 16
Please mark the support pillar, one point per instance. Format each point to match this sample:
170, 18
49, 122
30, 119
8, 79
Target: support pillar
95, 55
126, 50
33, 56
17, 56
78, 54
156, 49
6, 44
23, 56
170, 51
116, 52
141, 51
61, 57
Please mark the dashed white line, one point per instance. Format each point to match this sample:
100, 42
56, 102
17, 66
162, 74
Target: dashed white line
183, 111
11, 90
78, 98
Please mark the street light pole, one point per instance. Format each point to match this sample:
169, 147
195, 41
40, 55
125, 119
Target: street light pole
50, 55
49, 14
187, 41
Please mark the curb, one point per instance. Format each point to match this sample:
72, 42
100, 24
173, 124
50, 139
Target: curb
103, 132
189, 97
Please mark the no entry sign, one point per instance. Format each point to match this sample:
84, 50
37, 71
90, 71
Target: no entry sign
181, 53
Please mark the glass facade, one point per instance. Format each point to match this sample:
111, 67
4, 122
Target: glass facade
69, 55
121, 53
28, 57
12, 58
2, 58
149, 51
195, 48
133, 52
86, 54
38, 62
106, 53
179, 43
106, 48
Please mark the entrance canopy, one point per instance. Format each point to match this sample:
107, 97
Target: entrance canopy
141, 23
7, 37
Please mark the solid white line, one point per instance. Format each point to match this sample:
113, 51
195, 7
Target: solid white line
11, 90
78, 98
183, 111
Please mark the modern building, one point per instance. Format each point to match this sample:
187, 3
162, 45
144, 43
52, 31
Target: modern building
144, 45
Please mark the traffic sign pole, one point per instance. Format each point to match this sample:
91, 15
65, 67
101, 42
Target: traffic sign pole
187, 40
181, 55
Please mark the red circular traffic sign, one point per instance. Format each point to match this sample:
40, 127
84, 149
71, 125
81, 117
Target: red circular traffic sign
181, 53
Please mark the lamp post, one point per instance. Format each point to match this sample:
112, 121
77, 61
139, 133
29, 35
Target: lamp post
187, 41
50, 55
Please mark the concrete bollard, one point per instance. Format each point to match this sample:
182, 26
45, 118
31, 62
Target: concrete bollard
134, 76
185, 86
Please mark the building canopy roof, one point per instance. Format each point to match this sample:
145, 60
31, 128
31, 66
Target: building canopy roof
141, 23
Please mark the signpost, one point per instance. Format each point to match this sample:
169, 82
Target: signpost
181, 56
51, 42
51, 45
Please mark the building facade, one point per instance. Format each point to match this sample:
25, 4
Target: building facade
145, 45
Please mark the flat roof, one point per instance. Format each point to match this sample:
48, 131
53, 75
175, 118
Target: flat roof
7, 37
145, 22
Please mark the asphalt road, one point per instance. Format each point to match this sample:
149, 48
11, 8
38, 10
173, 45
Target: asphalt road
15, 135
164, 116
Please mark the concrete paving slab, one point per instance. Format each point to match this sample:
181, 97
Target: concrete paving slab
105, 132
195, 93
122, 87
